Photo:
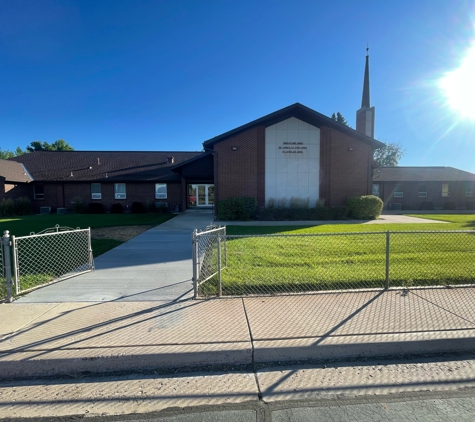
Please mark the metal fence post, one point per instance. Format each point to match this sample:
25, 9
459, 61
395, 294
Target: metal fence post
220, 286
387, 259
7, 263
89, 245
16, 271
194, 257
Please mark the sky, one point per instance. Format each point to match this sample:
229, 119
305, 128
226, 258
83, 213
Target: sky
168, 75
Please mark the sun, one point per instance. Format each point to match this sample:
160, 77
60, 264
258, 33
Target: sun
459, 86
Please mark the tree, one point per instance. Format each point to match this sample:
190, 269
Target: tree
339, 118
59, 145
389, 155
6, 154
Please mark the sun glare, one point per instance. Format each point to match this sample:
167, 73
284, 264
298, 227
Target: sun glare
459, 86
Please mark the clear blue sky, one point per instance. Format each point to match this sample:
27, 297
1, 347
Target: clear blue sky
168, 75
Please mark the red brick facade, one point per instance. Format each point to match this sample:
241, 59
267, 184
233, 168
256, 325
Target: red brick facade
63, 194
412, 201
239, 166
241, 172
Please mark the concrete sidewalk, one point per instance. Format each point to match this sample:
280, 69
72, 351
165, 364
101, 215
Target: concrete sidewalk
66, 338
155, 265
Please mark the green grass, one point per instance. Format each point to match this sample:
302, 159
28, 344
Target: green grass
21, 226
37, 268
295, 264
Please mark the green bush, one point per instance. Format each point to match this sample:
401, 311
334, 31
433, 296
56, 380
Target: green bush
7, 208
117, 208
450, 206
366, 207
95, 208
427, 206
137, 208
242, 208
78, 206
22, 206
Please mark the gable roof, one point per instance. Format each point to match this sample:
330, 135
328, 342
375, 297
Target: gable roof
303, 113
74, 166
14, 172
422, 174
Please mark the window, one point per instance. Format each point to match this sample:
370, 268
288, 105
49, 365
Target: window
422, 191
445, 190
119, 191
375, 190
398, 191
160, 191
39, 191
468, 189
96, 191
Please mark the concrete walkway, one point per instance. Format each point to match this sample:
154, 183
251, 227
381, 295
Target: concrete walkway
155, 265
383, 219
48, 339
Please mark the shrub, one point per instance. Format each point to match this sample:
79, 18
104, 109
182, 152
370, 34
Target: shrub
7, 208
449, 206
95, 208
22, 206
320, 203
242, 208
427, 206
366, 207
298, 202
338, 213
470, 205
137, 208
77, 206
117, 208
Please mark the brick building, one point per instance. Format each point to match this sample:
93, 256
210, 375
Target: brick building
416, 188
292, 152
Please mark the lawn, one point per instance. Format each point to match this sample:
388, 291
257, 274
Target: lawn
39, 268
299, 263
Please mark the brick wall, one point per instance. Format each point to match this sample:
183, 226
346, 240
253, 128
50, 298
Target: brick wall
63, 194
411, 200
241, 172
344, 167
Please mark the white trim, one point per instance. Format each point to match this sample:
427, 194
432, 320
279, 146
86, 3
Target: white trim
96, 195
422, 194
398, 194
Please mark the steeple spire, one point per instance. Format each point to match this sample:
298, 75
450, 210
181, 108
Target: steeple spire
365, 115
365, 99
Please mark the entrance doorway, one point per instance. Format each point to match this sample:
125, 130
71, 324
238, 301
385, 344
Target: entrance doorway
200, 195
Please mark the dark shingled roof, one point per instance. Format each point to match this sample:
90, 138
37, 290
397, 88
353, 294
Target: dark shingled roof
422, 174
303, 113
124, 166
14, 172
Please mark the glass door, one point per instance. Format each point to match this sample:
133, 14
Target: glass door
200, 195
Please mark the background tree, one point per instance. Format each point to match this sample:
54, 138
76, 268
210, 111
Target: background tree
6, 154
340, 119
59, 145
389, 155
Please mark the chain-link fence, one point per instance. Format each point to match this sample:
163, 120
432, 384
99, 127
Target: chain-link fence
209, 256
304, 263
3, 280
38, 259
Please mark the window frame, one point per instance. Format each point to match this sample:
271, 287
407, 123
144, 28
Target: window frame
39, 196
372, 189
469, 188
398, 193
422, 193
157, 185
118, 195
447, 193
96, 193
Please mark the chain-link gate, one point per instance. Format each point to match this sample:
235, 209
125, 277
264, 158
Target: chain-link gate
49, 256
306, 263
209, 257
